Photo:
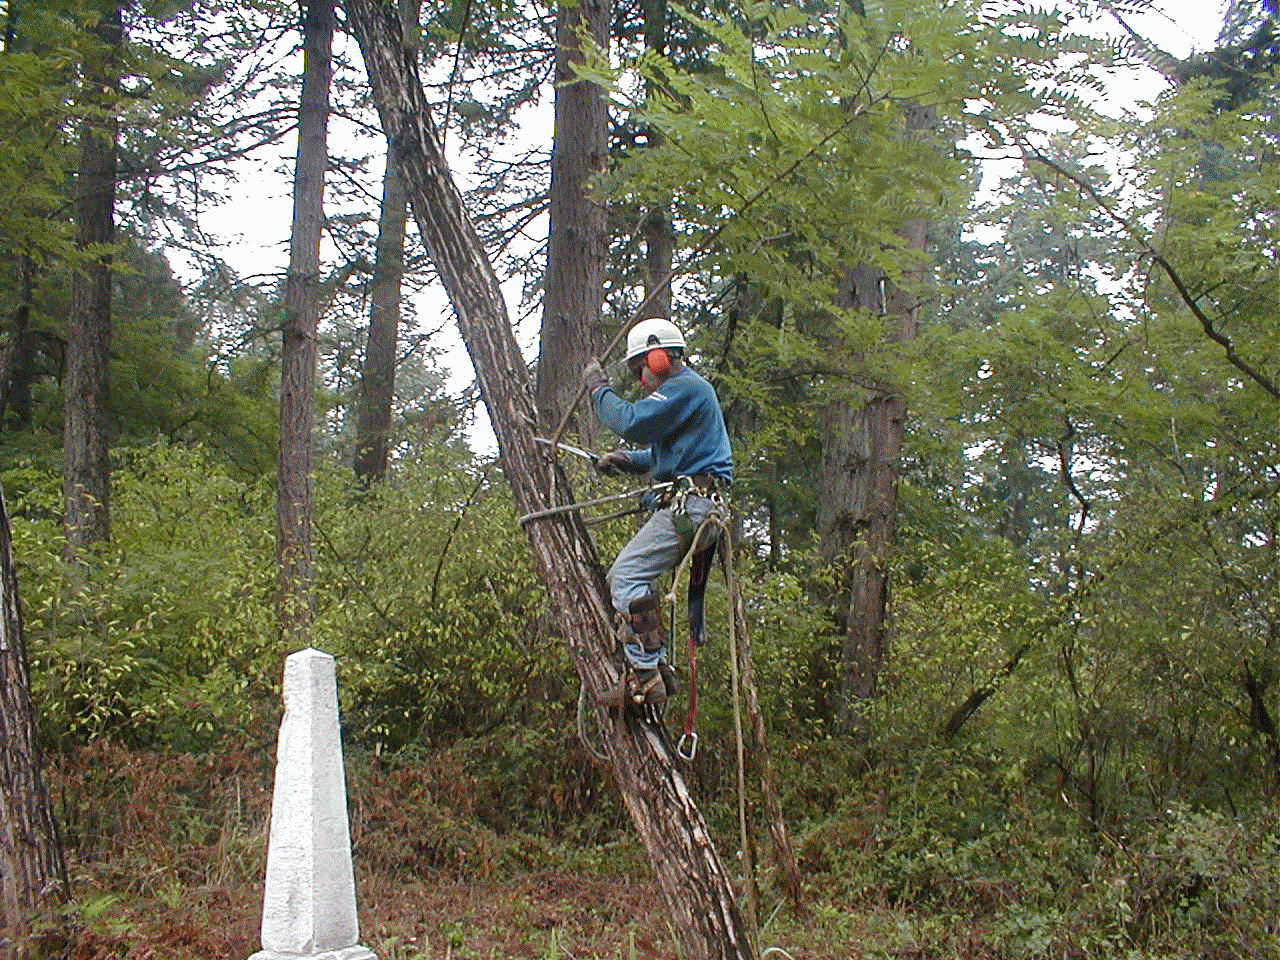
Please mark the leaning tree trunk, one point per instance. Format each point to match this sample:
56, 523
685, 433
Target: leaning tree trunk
32, 874
577, 243
295, 495
695, 887
86, 471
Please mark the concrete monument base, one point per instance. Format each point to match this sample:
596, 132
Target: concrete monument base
309, 903
346, 953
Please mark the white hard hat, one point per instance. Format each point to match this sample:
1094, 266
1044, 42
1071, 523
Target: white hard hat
654, 332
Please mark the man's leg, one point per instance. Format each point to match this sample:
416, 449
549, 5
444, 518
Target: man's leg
656, 548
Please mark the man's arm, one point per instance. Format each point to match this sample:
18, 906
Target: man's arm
644, 421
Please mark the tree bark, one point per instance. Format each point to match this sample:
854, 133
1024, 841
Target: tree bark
378, 376
378, 373
32, 871
788, 869
295, 496
578, 243
1261, 720
86, 465
17, 372
858, 502
659, 236
695, 887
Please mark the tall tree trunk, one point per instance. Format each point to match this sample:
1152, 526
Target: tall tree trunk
656, 230
86, 465
857, 519
577, 245
295, 487
694, 885
858, 499
378, 376
32, 872
659, 254
17, 370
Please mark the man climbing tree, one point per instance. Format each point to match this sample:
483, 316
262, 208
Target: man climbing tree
688, 448
694, 885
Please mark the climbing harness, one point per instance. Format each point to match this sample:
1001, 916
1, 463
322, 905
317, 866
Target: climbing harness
702, 543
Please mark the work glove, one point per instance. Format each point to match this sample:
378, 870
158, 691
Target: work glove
612, 464
594, 377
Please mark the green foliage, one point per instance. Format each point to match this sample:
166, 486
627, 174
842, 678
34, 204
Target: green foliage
33, 113
957, 836
424, 593
946, 831
168, 637
429, 596
1196, 884
1083, 672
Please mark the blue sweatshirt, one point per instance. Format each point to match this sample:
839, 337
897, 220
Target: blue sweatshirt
680, 421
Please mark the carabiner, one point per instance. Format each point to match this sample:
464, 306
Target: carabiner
687, 753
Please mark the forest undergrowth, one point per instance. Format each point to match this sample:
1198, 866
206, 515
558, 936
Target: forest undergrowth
1110, 800
167, 853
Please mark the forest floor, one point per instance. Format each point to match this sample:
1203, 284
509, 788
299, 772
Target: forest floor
549, 915
539, 915
166, 860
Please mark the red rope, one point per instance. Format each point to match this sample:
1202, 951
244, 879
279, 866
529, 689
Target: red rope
691, 714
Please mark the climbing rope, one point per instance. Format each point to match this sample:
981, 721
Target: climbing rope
686, 747
688, 741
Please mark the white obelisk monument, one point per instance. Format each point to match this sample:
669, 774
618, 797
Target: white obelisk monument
309, 906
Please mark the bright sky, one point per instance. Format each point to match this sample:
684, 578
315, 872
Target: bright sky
1177, 27
1181, 26
260, 230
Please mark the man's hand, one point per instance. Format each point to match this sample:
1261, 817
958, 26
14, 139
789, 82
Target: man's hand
612, 464
594, 377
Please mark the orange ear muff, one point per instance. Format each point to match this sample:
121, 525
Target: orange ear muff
658, 361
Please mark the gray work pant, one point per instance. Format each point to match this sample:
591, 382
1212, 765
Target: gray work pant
656, 548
